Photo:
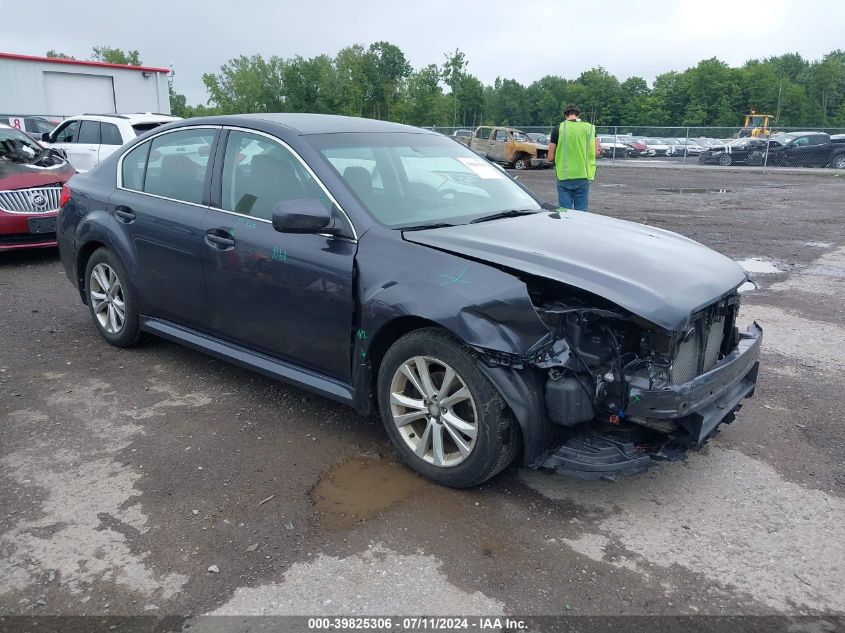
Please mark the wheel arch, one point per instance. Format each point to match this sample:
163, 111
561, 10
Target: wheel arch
522, 390
82, 256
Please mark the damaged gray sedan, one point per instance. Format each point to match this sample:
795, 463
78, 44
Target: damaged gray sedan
391, 269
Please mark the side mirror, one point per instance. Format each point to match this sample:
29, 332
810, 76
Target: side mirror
45, 137
305, 215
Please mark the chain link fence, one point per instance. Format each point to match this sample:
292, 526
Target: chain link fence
686, 145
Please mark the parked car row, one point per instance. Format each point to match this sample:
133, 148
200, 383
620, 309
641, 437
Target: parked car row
38, 157
793, 149
628, 146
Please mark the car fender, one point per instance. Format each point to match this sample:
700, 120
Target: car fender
90, 231
488, 309
98, 227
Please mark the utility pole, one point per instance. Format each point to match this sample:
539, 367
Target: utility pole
780, 96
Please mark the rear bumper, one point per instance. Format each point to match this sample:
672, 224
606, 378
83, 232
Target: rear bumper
701, 404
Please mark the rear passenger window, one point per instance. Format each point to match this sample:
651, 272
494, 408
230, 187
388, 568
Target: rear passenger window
89, 133
177, 164
110, 134
258, 173
134, 164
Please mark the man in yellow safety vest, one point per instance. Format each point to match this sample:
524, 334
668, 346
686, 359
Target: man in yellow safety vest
573, 148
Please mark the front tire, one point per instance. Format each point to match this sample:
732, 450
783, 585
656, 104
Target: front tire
443, 416
838, 162
522, 163
725, 160
111, 299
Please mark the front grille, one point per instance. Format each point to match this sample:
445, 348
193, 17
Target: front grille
701, 349
34, 200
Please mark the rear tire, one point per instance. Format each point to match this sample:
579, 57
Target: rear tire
444, 417
838, 162
111, 299
725, 160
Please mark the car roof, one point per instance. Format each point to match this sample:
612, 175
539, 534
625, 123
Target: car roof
309, 123
808, 133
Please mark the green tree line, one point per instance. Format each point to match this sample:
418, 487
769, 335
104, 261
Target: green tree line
377, 81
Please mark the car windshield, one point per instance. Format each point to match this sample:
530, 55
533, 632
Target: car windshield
406, 179
17, 147
520, 136
739, 142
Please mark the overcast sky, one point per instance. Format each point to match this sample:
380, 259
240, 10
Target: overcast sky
520, 40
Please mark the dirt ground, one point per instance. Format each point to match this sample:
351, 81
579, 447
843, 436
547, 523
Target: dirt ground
160, 481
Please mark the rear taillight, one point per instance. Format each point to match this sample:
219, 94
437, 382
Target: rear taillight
64, 197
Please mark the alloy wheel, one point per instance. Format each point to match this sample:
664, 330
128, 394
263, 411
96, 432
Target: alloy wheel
107, 299
434, 411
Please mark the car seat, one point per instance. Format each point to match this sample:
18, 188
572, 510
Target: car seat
178, 179
360, 181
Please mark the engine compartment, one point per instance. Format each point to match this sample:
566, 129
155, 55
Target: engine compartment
602, 356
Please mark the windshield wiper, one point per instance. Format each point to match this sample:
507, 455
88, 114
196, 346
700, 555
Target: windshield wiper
503, 214
420, 227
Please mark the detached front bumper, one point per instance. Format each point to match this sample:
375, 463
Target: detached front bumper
701, 404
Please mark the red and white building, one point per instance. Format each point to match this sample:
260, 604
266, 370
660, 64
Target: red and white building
65, 87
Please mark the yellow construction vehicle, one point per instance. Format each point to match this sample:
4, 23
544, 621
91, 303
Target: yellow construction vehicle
756, 125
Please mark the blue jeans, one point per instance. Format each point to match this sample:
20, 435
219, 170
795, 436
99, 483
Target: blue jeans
573, 193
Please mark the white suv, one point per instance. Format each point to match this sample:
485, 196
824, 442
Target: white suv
89, 138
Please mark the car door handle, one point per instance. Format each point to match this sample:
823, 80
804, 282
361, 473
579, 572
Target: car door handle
220, 240
124, 214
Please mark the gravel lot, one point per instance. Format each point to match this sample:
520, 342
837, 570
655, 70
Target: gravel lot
126, 474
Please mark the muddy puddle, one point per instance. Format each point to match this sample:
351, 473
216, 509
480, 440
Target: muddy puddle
691, 190
359, 489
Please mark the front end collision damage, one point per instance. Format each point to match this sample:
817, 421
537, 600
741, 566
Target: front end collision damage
592, 386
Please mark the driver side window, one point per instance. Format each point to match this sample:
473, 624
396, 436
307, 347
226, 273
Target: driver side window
68, 133
258, 173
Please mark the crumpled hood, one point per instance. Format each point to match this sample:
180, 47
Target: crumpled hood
658, 275
23, 175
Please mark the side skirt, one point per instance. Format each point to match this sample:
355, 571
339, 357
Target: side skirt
256, 361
